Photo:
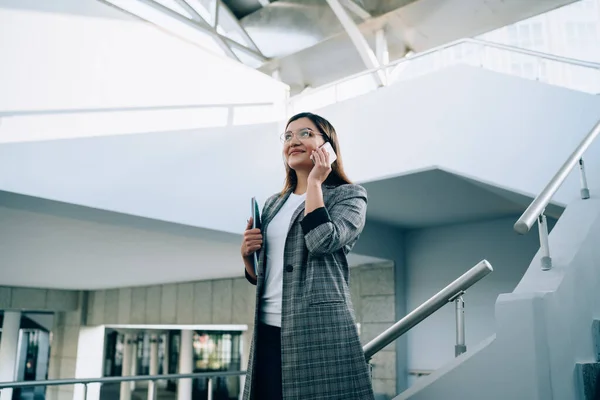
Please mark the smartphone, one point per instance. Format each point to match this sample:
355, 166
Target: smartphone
332, 156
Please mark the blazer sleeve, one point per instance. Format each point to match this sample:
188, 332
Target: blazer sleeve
249, 278
328, 229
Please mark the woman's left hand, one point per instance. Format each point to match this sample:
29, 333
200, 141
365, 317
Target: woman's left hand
321, 169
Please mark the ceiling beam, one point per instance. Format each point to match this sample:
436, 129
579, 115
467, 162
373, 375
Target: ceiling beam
381, 47
192, 24
215, 13
356, 9
198, 18
365, 52
238, 27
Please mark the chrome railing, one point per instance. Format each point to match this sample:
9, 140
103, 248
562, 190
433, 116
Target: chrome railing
535, 211
152, 395
333, 87
100, 110
451, 293
24, 125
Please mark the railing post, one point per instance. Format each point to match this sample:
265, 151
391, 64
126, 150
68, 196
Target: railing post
460, 347
544, 245
85, 390
152, 390
481, 48
538, 69
585, 191
210, 391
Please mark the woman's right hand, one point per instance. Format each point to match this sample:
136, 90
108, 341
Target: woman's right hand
252, 240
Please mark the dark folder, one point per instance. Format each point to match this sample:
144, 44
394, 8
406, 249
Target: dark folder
255, 224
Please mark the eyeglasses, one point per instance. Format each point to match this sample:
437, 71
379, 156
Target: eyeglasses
301, 134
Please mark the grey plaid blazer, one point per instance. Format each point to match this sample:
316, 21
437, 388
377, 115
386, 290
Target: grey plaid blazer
322, 357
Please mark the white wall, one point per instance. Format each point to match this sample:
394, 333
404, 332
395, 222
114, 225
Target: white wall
437, 256
103, 58
515, 139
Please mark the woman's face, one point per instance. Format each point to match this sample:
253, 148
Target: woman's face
299, 140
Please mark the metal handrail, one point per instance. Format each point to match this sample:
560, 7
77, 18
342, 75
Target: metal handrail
446, 295
22, 113
539, 204
485, 43
118, 379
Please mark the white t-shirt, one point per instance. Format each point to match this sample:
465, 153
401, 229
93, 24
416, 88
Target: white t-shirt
276, 235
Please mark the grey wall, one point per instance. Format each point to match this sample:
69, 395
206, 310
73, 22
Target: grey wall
32, 299
385, 241
437, 256
64, 351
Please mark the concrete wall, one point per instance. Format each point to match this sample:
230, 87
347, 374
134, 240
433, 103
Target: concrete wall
373, 295
64, 351
543, 326
222, 301
32, 299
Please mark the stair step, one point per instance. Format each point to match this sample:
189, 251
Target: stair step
589, 374
596, 337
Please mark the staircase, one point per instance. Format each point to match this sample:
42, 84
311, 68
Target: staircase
589, 373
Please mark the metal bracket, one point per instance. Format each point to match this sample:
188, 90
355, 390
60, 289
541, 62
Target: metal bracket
456, 296
459, 349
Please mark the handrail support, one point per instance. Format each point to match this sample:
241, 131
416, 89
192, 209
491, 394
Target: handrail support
210, 388
544, 244
585, 191
460, 347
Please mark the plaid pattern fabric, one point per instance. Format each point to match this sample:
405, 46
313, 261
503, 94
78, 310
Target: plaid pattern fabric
322, 357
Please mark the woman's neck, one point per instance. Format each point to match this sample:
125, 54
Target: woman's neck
301, 182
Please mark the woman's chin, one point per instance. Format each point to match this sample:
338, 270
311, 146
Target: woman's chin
297, 165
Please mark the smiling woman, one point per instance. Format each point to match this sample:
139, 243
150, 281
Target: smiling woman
305, 344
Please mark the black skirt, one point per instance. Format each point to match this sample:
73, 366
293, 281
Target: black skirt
267, 373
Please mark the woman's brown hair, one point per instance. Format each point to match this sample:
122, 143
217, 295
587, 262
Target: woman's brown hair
337, 176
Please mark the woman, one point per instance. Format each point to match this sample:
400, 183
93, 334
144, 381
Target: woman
305, 344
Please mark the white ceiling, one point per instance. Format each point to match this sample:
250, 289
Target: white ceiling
435, 197
309, 46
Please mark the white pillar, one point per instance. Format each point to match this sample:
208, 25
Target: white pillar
42, 362
184, 386
126, 366
167, 348
9, 348
153, 366
134, 360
